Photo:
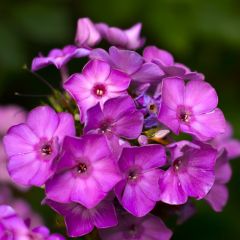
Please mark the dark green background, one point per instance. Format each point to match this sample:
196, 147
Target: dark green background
204, 34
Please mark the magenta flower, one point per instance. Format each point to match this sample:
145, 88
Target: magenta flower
118, 116
129, 62
218, 195
132, 228
227, 142
59, 57
191, 108
86, 171
14, 227
191, 174
87, 34
128, 39
81, 221
10, 115
11, 226
33, 146
139, 190
97, 83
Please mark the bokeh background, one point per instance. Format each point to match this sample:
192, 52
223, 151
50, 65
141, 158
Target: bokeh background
205, 35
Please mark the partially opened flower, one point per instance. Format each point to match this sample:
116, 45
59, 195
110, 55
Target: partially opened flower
59, 57
87, 34
80, 220
191, 108
139, 190
149, 227
129, 38
118, 116
86, 171
97, 83
191, 174
33, 146
228, 142
218, 195
129, 62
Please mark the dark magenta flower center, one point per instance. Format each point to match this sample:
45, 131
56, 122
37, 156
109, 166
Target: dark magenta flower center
99, 90
106, 125
184, 115
82, 168
133, 175
46, 149
177, 164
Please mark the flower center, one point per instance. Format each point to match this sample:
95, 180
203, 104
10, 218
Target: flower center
184, 115
153, 108
177, 164
46, 149
106, 125
99, 90
81, 168
133, 175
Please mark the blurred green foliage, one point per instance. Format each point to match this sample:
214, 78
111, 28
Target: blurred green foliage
205, 35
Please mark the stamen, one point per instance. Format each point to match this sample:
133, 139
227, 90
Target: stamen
46, 149
81, 168
99, 90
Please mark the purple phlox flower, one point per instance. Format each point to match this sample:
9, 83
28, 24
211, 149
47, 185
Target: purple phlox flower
33, 146
22, 208
149, 227
87, 34
43, 233
59, 57
166, 62
139, 190
97, 83
129, 62
218, 195
150, 108
226, 141
86, 171
118, 116
10, 115
191, 174
191, 108
80, 220
11, 225
128, 39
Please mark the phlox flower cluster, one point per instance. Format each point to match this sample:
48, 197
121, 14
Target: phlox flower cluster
138, 132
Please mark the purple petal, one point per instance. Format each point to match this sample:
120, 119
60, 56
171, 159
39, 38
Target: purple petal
207, 126
87, 34
168, 117
171, 189
135, 201
217, 197
201, 96
125, 60
117, 37
151, 52
147, 73
43, 121
173, 92
133, 35
66, 126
